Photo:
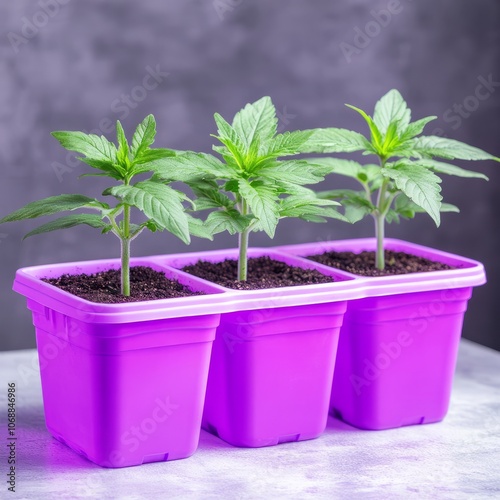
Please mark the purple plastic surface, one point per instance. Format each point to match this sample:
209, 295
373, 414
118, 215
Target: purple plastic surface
270, 374
398, 345
397, 357
273, 356
271, 368
28, 283
119, 391
107, 369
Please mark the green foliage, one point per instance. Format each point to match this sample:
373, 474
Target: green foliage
71, 220
406, 179
162, 205
250, 188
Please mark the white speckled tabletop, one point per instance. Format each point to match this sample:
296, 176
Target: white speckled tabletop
457, 458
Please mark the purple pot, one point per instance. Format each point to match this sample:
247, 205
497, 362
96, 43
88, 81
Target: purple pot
273, 356
398, 345
123, 384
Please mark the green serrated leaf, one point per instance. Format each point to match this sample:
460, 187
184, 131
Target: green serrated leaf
404, 204
262, 201
339, 166
308, 209
391, 109
122, 154
448, 207
90, 145
391, 140
286, 144
404, 150
372, 174
227, 157
446, 168
227, 220
335, 140
348, 168
290, 188
429, 146
354, 212
376, 135
292, 202
335, 194
97, 150
144, 136
49, 206
256, 123
159, 203
150, 155
294, 171
232, 140
419, 184
191, 167
211, 198
416, 128
313, 218
182, 196
207, 183
231, 186
355, 203
199, 229
407, 209
70, 221
113, 170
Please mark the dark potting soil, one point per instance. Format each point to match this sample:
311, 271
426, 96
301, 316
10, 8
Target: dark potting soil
104, 287
263, 272
364, 263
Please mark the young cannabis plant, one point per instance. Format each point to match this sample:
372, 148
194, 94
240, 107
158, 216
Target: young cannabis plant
405, 180
162, 205
250, 189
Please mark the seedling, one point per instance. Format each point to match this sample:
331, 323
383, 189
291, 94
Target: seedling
160, 203
250, 189
405, 181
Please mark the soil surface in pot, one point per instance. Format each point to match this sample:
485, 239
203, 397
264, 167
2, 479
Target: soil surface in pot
263, 272
104, 287
363, 263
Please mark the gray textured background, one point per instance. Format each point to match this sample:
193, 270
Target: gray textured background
73, 69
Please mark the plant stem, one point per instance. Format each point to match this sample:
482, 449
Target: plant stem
125, 251
243, 247
379, 232
368, 194
380, 222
